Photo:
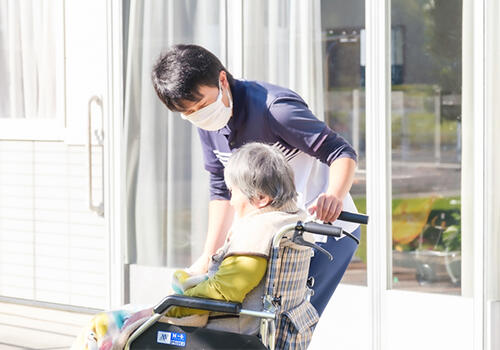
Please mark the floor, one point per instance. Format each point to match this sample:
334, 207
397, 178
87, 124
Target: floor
404, 278
27, 327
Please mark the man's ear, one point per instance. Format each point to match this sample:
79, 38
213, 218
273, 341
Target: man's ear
223, 79
262, 201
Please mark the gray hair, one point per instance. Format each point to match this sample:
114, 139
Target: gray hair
258, 169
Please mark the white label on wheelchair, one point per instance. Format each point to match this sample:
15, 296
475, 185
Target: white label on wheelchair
171, 338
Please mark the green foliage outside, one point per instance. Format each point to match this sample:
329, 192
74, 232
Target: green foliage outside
361, 251
441, 229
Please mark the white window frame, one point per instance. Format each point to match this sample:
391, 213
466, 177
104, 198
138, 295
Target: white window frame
492, 166
378, 163
50, 129
116, 223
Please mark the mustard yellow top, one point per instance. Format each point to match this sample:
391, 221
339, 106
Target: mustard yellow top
235, 278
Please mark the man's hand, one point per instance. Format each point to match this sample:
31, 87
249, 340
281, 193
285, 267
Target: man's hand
329, 204
200, 266
327, 207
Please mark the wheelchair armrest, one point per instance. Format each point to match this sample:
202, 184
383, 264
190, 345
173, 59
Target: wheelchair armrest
197, 303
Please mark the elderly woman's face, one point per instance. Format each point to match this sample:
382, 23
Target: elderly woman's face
240, 202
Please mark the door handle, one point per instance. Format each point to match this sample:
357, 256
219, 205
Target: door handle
99, 135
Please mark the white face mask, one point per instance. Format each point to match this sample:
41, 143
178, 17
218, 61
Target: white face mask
212, 117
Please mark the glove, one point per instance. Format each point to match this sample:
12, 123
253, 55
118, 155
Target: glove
182, 281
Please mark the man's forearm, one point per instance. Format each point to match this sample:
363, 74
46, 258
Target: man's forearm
341, 177
220, 218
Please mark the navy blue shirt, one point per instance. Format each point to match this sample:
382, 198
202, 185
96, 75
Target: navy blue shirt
273, 115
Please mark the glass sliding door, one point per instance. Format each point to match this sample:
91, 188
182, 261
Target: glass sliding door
343, 57
426, 119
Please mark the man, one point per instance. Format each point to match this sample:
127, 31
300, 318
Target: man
230, 113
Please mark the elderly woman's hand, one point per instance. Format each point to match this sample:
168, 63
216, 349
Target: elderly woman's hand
327, 208
200, 266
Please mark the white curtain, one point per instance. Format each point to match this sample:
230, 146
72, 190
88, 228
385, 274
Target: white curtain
167, 187
28, 34
282, 45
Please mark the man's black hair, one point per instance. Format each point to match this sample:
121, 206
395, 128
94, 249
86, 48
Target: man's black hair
178, 74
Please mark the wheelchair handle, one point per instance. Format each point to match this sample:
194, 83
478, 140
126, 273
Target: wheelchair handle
353, 217
322, 229
328, 230
197, 303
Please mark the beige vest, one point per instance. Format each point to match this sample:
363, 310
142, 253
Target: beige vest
253, 235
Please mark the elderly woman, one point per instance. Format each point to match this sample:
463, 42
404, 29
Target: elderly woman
263, 196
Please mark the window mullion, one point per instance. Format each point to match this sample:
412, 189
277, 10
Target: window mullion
378, 160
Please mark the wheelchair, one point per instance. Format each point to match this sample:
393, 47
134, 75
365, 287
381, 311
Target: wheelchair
287, 318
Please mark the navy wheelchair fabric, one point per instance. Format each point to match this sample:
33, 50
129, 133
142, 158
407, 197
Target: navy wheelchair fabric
327, 274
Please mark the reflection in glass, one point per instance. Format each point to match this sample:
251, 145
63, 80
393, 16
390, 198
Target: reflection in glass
426, 145
342, 28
